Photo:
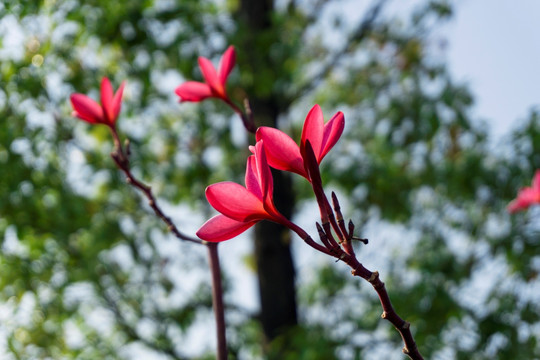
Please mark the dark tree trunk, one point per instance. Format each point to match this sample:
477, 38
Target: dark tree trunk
275, 267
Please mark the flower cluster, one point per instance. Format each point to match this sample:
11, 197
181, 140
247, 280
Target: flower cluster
241, 207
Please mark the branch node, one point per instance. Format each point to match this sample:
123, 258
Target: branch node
374, 276
406, 325
384, 315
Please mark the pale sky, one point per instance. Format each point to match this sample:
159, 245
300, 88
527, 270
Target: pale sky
494, 46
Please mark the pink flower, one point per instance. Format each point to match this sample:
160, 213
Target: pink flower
284, 154
527, 196
242, 207
90, 111
214, 85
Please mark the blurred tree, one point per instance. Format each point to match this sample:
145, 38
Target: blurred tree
88, 272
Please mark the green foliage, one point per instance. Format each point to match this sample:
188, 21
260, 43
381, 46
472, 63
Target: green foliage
77, 243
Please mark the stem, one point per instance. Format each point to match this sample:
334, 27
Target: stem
247, 116
217, 300
305, 236
122, 161
403, 327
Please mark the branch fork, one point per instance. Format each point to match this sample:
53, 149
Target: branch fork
332, 219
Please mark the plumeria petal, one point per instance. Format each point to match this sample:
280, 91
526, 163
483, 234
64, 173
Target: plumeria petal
86, 109
210, 76
264, 174
215, 80
281, 151
331, 134
235, 201
284, 154
527, 196
117, 101
513, 207
241, 207
536, 181
221, 228
226, 64
193, 91
259, 180
110, 102
107, 100
252, 179
313, 130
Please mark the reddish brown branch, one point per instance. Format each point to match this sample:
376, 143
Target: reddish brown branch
403, 327
344, 252
390, 314
246, 116
122, 161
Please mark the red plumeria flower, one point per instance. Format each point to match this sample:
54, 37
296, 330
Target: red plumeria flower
214, 85
284, 154
90, 111
242, 207
527, 196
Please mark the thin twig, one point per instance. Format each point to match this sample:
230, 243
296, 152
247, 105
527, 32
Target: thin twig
121, 158
122, 161
246, 116
403, 327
